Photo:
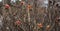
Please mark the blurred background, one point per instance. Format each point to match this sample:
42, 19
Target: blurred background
29, 15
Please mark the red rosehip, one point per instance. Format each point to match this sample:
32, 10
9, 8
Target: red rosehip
7, 6
18, 22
